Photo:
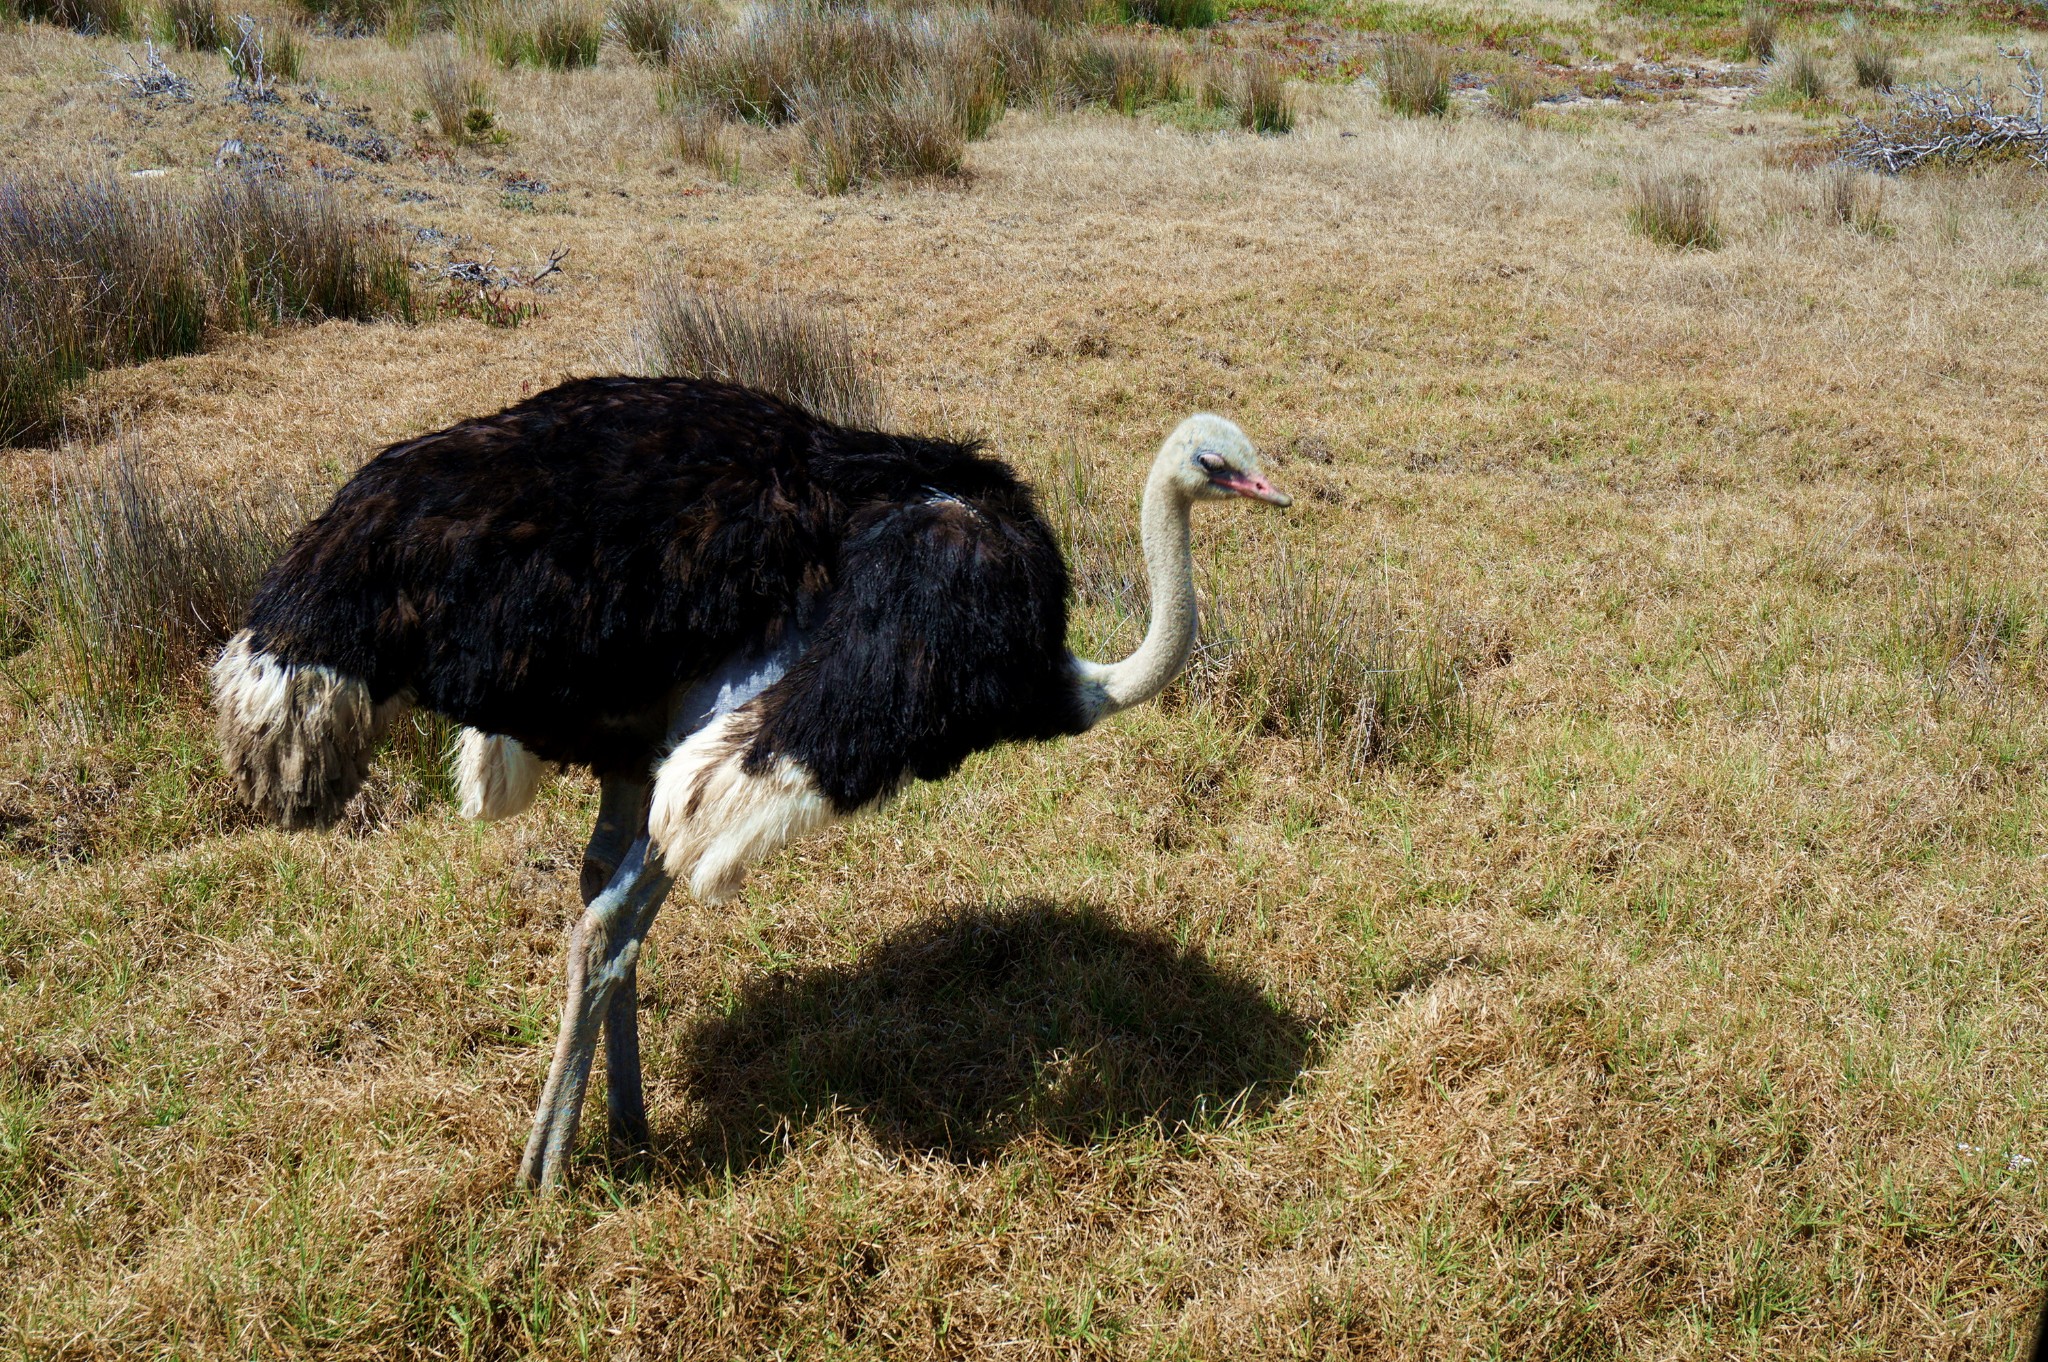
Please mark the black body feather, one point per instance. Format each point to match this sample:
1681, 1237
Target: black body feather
557, 572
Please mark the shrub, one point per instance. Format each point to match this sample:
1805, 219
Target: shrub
1263, 104
1799, 75
457, 92
1676, 210
1759, 31
113, 272
794, 352
195, 25
649, 29
1872, 55
1415, 78
139, 577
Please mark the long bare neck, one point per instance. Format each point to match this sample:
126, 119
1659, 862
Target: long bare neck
1107, 687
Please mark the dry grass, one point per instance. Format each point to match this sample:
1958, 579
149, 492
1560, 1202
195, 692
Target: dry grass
554, 35
195, 25
650, 29
1694, 1013
1677, 208
107, 18
796, 352
1415, 77
1517, 90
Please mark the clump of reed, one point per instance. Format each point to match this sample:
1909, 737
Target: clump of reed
1676, 209
650, 29
796, 352
105, 272
1181, 14
398, 20
1516, 91
1415, 78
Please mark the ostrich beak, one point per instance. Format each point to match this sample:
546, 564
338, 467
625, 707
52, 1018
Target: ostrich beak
1251, 485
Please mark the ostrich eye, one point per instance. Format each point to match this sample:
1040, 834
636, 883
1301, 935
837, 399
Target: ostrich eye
1211, 462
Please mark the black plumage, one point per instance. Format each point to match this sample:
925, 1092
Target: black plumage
559, 572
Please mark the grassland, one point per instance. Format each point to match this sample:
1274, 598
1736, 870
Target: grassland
1691, 1005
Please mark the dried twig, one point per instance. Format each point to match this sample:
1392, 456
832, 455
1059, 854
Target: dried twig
1954, 124
150, 76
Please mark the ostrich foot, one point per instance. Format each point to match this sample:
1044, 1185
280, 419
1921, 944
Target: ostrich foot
603, 951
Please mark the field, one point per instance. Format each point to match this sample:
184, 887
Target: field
1677, 992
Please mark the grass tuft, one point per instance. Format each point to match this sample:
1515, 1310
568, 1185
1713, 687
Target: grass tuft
113, 272
101, 18
140, 576
555, 35
1263, 103
1415, 78
1799, 75
1516, 91
457, 92
789, 350
194, 25
1180, 14
1873, 55
1676, 209
650, 29
1759, 31
398, 20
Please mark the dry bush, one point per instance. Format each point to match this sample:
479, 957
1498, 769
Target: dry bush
1676, 209
1760, 31
195, 25
259, 56
1516, 91
457, 92
792, 351
110, 18
1799, 75
1263, 104
650, 29
1953, 125
1415, 77
113, 272
1873, 55
139, 577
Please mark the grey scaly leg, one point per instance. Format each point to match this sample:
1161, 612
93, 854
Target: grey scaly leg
621, 816
602, 953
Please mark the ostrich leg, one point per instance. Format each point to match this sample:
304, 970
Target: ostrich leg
602, 953
621, 814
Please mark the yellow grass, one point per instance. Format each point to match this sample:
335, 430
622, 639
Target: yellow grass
1695, 1011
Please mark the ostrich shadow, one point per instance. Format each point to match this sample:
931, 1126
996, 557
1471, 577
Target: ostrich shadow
959, 1035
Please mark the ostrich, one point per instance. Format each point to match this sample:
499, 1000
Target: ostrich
746, 620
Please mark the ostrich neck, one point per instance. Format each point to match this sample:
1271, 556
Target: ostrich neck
1107, 687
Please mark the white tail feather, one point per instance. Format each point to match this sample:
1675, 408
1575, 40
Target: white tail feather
495, 776
712, 819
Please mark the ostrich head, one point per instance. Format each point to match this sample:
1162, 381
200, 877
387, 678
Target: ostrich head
1209, 459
